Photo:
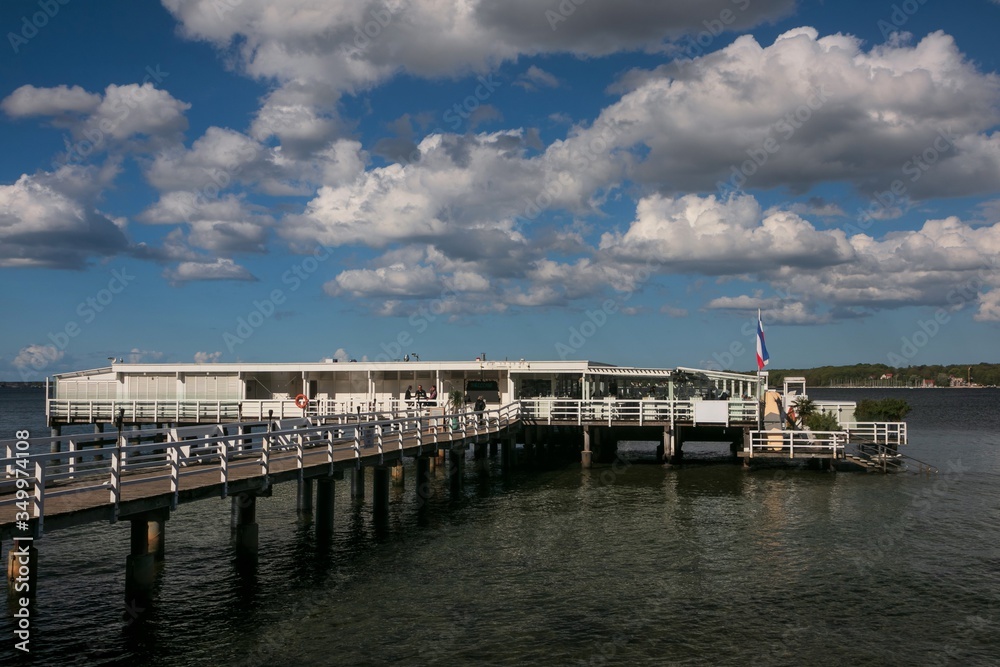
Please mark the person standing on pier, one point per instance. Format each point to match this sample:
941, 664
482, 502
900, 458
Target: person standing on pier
421, 396
479, 407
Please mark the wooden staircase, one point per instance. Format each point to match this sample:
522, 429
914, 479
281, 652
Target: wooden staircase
884, 458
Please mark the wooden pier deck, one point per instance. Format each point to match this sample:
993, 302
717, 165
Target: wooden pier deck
64, 489
105, 476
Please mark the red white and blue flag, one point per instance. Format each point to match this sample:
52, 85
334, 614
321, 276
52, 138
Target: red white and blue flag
762, 356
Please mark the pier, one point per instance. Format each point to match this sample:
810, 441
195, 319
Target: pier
143, 459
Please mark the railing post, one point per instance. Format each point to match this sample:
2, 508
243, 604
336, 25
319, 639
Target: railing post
175, 470
329, 449
71, 466
116, 475
299, 452
224, 467
39, 493
265, 448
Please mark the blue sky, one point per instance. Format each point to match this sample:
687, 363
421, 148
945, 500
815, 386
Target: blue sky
225, 180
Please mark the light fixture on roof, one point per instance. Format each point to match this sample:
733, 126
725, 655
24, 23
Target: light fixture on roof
416, 357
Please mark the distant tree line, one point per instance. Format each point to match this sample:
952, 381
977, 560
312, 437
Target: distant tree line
824, 376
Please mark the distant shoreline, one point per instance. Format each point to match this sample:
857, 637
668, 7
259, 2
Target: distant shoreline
984, 386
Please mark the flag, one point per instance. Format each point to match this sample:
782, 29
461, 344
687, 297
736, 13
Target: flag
762, 356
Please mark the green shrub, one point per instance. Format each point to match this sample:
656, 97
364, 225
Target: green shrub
884, 410
804, 407
821, 421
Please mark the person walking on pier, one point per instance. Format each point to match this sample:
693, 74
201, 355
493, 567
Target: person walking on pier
421, 396
479, 407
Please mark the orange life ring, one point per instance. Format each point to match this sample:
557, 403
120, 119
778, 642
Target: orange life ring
302, 401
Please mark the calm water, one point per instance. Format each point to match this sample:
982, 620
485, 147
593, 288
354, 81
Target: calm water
699, 565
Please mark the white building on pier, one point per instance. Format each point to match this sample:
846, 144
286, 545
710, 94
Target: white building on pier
198, 393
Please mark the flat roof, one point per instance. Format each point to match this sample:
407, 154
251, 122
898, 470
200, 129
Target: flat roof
519, 366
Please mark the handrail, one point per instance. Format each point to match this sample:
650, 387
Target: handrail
171, 453
788, 442
883, 453
610, 410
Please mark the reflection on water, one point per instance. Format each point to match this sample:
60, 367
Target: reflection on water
636, 564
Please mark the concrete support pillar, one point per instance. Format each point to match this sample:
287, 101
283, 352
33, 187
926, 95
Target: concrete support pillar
480, 453
442, 453
494, 447
586, 459
146, 547
304, 497
156, 526
358, 484
432, 463
324, 505
380, 495
668, 444
507, 454
456, 471
529, 445
22, 569
423, 480
747, 441
245, 524
397, 474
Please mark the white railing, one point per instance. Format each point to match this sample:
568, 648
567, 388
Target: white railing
172, 454
803, 443
842, 410
72, 411
84, 412
882, 433
555, 410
